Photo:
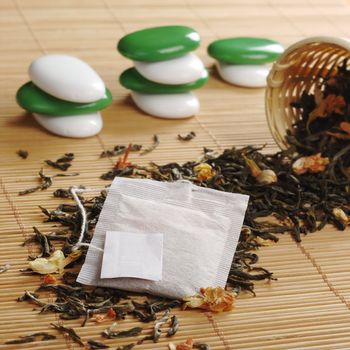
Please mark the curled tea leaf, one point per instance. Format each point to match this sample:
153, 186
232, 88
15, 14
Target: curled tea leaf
42, 336
327, 106
111, 332
201, 346
344, 133
22, 153
126, 347
70, 332
94, 345
191, 135
62, 163
174, 326
151, 148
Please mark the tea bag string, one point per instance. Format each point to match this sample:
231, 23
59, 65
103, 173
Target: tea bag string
74, 191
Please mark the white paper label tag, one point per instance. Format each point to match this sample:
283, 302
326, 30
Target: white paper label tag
134, 255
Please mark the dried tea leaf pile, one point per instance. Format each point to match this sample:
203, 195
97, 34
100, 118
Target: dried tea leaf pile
297, 191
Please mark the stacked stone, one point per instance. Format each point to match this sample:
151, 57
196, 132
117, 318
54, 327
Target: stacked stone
65, 96
245, 61
165, 70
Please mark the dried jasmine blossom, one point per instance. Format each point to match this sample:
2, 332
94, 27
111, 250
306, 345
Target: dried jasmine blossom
55, 263
212, 299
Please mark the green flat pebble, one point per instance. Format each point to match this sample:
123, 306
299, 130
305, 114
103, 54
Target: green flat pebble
158, 43
133, 80
35, 100
245, 50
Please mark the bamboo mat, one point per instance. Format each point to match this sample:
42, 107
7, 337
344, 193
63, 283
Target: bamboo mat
309, 306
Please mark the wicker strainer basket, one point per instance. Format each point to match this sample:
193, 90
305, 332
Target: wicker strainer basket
301, 68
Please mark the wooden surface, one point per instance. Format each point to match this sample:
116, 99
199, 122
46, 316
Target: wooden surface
308, 307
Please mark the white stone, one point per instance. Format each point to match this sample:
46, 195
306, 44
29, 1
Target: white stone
76, 126
169, 106
67, 78
253, 76
181, 70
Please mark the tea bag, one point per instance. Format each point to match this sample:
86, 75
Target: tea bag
200, 228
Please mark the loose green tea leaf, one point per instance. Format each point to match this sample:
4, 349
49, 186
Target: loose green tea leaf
39, 336
23, 154
191, 135
112, 333
70, 332
174, 326
96, 345
62, 163
23, 340
119, 150
153, 146
201, 346
126, 347
46, 182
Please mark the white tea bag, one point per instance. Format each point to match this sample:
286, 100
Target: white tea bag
200, 230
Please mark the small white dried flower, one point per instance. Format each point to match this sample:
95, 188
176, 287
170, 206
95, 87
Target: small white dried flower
340, 215
267, 176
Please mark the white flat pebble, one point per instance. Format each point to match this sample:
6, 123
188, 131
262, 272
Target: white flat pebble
75, 126
67, 78
253, 76
169, 106
181, 70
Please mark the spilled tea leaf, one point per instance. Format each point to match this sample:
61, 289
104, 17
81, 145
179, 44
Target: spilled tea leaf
191, 135
22, 153
153, 146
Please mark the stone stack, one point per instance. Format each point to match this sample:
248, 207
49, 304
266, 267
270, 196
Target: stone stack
245, 61
65, 96
165, 70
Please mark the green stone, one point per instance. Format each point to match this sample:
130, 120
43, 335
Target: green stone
133, 80
158, 43
35, 100
245, 50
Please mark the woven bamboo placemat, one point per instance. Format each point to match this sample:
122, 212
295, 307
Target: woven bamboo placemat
308, 307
